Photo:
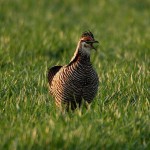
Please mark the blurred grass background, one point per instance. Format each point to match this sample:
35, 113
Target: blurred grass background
35, 35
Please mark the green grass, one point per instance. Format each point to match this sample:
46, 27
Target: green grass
35, 35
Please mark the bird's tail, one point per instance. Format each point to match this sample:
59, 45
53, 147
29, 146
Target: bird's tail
51, 73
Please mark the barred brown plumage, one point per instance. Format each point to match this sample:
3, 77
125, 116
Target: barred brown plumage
78, 80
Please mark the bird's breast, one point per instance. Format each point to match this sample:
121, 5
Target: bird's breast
81, 75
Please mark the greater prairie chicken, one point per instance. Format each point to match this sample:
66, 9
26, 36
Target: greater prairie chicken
77, 81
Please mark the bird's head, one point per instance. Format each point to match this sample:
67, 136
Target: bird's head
86, 42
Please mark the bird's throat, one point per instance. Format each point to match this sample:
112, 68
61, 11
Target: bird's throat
80, 57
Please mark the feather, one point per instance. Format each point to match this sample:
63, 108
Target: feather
51, 73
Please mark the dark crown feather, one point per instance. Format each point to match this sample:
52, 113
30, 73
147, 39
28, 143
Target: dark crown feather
87, 33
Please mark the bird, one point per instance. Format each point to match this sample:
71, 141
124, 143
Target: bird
77, 81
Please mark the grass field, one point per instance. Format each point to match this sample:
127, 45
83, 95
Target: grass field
35, 35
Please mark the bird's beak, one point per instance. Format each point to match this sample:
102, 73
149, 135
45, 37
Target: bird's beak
95, 41
92, 42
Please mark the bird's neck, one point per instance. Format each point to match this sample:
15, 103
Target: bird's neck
80, 57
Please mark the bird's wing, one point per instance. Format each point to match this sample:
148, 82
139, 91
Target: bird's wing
51, 73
